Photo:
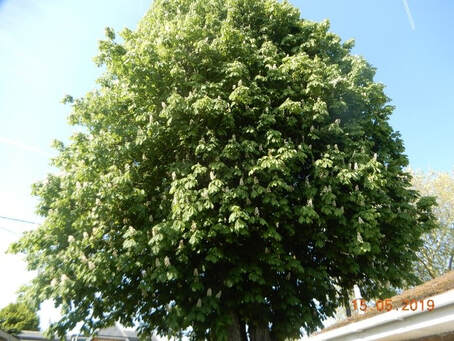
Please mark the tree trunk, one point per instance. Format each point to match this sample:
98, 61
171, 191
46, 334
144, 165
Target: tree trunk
243, 331
346, 303
234, 332
259, 333
348, 310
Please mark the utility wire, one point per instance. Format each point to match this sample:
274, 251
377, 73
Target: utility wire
19, 220
10, 231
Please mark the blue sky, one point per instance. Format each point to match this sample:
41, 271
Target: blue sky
47, 48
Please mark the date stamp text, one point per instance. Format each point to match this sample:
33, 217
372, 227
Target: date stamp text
387, 305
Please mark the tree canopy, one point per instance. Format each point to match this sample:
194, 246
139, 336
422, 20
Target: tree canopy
236, 167
16, 317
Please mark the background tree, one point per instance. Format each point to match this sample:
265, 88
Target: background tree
235, 168
436, 256
16, 317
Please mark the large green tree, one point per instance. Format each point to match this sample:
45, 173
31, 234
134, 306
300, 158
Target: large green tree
16, 317
235, 168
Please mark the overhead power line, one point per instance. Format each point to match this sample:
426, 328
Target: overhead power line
19, 220
10, 231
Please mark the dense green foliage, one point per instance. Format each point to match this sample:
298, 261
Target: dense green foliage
16, 317
236, 168
436, 256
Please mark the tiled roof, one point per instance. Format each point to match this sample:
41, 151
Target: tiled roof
116, 332
112, 333
31, 335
